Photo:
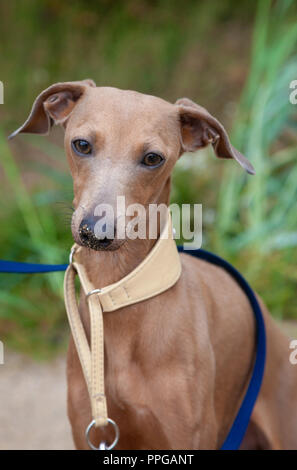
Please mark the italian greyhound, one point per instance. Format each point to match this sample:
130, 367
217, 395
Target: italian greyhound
178, 364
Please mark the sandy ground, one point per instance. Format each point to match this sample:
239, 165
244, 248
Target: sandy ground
33, 404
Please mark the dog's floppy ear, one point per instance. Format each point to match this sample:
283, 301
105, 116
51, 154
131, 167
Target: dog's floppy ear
53, 105
199, 128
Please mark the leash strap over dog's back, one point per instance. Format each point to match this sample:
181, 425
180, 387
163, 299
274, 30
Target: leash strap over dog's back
240, 424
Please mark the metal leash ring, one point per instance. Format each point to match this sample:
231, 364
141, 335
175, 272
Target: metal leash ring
103, 445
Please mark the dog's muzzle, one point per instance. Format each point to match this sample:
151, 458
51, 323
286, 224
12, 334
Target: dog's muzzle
89, 238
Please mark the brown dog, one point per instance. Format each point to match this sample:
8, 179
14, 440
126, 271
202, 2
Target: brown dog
176, 365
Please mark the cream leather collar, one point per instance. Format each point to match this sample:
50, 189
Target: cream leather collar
159, 271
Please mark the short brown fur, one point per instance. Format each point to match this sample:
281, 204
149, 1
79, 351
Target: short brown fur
176, 365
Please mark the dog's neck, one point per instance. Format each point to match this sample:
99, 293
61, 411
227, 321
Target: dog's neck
107, 267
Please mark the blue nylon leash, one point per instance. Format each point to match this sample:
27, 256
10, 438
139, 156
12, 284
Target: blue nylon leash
240, 424
29, 268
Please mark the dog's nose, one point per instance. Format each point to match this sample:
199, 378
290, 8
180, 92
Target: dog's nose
88, 236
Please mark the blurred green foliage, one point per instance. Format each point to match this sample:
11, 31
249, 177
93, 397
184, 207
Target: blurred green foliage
217, 53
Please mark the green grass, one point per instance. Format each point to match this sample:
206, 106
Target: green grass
33, 230
255, 217
171, 50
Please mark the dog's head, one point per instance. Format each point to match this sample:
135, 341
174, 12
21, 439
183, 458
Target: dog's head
122, 143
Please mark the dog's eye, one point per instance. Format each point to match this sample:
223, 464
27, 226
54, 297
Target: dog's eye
82, 147
152, 159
